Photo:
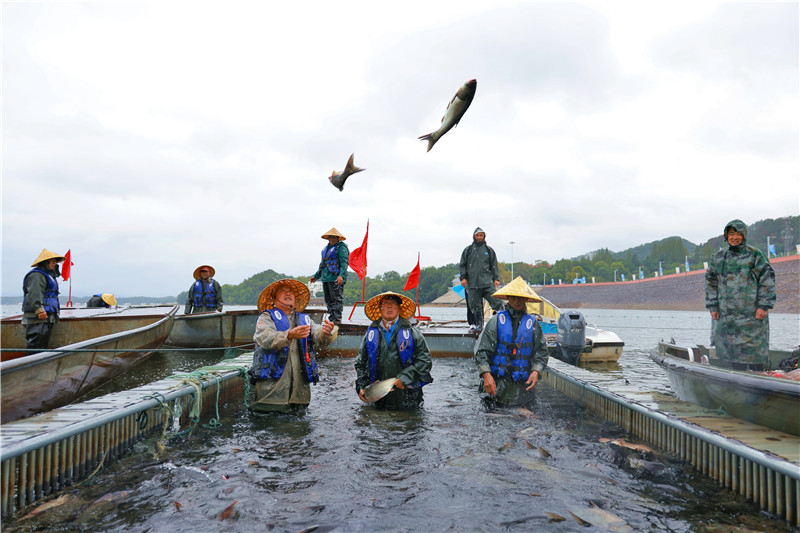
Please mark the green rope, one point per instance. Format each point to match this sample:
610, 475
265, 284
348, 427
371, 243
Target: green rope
168, 417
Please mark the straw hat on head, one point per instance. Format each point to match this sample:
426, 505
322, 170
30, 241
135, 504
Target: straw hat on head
333, 232
520, 288
373, 307
109, 299
47, 254
211, 271
266, 300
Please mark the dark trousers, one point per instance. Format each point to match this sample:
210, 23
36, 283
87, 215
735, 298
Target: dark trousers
334, 297
37, 335
475, 301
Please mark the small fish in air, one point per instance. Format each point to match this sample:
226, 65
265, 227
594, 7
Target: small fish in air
338, 178
455, 110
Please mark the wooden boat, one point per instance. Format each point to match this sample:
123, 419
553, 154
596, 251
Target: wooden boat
697, 377
93, 347
231, 327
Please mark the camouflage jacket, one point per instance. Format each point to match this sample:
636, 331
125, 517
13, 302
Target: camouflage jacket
739, 279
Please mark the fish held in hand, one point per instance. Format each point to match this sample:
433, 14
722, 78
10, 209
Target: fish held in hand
378, 390
455, 110
337, 179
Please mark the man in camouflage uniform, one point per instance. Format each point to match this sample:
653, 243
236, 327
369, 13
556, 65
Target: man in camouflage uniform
740, 291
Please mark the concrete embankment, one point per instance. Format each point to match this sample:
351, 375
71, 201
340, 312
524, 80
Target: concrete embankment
680, 292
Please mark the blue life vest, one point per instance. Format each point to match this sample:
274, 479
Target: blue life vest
512, 359
405, 345
273, 363
51, 303
204, 298
330, 258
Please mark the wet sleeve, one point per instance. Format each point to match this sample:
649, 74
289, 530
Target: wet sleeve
267, 336
495, 268
320, 339
712, 285
35, 287
765, 276
343, 253
486, 346
462, 265
362, 366
189, 300
218, 293
540, 353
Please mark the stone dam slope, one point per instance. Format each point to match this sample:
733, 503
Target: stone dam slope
680, 292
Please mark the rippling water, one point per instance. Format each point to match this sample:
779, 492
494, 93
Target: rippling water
451, 466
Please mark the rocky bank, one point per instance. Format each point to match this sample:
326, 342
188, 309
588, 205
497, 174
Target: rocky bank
681, 292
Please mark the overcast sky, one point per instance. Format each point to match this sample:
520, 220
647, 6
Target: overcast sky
150, 138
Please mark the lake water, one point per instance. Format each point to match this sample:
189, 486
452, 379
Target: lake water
451, 466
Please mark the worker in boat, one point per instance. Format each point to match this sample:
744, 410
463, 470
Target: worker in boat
393, 348
511, 353
332, 272
480, 276
102, 300
205, 294
40, 306
740, 291
284, 363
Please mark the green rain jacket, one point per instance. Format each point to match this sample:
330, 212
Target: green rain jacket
324, 274
478, 265
510, 392
34, 293
388, 365
740, 280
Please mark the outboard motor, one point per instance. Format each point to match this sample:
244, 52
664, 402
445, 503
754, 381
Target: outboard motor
571, 336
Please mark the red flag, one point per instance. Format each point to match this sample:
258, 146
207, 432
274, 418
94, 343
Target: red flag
358, 257
66, 266
413, 278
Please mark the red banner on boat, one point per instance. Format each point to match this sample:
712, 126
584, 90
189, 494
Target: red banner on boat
67, 265
413, 278
358, 257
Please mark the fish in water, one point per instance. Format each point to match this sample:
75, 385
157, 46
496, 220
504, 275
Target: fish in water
455, 110
338, 178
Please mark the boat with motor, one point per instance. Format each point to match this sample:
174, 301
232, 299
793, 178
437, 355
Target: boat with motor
769, 398
90, 346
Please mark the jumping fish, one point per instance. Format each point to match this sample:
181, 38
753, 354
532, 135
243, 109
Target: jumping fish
338, 178
455, 110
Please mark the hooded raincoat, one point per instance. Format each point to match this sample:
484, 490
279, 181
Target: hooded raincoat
478, 266
740, 280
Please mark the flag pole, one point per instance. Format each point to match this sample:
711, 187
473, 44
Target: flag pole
69, 300
419, 316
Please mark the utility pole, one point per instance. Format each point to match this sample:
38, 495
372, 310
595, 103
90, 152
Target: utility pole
512, 260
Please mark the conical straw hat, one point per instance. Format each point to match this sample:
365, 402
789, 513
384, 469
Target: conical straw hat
520, 288
266, 299
333, 232
211, 271
47, 254
373, 307
109, 299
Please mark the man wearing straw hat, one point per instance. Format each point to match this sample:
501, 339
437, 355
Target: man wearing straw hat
511, 352
205, 294
393, 348
332, 272
284, 363
40, 306
102, 300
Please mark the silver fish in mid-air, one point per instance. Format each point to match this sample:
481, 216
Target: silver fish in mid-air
455, 110
338, 178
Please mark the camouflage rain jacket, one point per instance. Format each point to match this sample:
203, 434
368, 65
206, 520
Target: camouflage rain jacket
740, 280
